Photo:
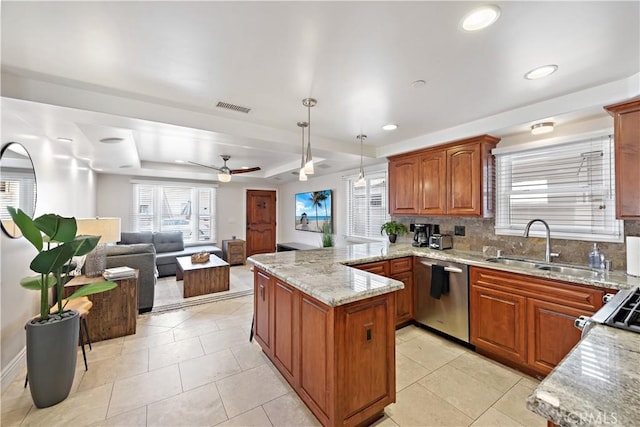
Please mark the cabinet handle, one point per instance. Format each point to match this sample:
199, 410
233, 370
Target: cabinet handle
262, 292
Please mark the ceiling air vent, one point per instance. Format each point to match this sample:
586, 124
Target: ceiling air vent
233, 107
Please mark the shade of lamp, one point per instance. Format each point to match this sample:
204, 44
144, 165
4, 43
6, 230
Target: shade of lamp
109, 231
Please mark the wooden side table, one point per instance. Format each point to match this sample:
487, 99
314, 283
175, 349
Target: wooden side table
114, 312
233, 251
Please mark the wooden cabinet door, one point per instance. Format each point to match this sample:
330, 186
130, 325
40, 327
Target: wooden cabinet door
404, 297
262, 308
367, 337
403, 186
464, 179
551, 333
498, 322
627, 157
285, 329
433, 179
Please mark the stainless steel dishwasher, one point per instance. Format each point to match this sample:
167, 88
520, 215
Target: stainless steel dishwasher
450, 313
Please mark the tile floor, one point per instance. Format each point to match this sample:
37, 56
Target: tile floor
195, 367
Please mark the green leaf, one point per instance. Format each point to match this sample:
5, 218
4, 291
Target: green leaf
58, 228
85, 244
34, 283
27, 227
92, 288
53, 259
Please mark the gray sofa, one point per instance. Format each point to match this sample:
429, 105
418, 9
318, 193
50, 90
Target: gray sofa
142, 257
168, 246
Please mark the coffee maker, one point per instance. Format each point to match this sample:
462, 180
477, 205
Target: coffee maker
421, 235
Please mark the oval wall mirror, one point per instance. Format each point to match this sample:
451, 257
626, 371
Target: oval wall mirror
17, 185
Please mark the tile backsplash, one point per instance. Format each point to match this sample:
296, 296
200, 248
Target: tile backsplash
480, 237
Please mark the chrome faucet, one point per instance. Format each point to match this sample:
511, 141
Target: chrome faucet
547, 251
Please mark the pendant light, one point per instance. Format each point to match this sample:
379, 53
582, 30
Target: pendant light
361, 181
303, 175
308, 164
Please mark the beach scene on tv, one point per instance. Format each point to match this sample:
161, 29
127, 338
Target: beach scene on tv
313, 210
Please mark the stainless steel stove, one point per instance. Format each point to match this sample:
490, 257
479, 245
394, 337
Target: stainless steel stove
621, 311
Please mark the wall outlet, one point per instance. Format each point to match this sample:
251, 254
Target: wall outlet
458, 230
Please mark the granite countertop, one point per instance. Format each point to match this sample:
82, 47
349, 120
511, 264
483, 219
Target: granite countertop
325, 275
595, 384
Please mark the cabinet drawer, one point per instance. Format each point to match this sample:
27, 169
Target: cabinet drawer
380, 267
567, 294
400, 264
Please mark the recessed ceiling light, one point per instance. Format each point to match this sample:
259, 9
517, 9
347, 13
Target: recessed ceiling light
111, 140
540, 72
540, 128
390, 127
480, 18
180, 161
418, 83
65, 139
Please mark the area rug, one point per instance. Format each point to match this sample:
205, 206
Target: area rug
168, 295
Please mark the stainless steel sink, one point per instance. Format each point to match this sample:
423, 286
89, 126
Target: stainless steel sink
558, 268
522, 263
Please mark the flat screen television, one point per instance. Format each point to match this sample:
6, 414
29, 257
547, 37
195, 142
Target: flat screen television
313, 210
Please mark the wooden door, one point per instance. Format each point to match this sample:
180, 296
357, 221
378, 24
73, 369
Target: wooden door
403, 186
464, 178
261, 222
433, 177
497, 322
551, 333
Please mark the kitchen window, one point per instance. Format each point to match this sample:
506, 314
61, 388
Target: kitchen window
570, 185
187, 208
366, 206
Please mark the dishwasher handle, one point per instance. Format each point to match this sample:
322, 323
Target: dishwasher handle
450, 269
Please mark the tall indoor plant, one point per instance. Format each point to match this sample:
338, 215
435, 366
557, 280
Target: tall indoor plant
52, 338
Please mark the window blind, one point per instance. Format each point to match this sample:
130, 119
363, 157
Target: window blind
570, 185
366, 205
188, 209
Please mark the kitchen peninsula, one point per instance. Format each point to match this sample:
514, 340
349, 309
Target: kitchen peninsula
329, 329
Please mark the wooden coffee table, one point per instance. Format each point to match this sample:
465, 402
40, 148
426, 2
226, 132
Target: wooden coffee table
202, 278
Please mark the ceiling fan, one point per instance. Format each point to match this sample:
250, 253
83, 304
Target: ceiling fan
225, 172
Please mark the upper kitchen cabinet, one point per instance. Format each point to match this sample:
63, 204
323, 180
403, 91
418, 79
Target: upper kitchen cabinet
455, 179
626, 117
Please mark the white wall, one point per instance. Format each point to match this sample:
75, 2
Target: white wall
286, 205
64, 187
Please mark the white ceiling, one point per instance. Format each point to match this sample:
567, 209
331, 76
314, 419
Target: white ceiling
152, 74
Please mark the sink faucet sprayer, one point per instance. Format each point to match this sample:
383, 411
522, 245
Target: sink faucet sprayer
547, 252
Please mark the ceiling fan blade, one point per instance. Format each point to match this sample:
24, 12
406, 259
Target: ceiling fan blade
205, 166
238, 171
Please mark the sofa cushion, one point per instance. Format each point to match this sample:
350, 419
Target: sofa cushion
169, 241
136, 237
130, 249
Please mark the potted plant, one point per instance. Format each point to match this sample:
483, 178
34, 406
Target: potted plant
52, 339
393, 229
327, 237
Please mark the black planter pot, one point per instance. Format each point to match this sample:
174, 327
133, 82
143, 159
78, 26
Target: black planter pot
393, 237
52, 349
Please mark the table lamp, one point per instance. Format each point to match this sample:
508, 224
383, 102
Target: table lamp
109, 230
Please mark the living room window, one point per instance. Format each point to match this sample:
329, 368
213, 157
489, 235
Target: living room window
366, 205
569, 185
187, 208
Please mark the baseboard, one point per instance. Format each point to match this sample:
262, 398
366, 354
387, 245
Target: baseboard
13, 369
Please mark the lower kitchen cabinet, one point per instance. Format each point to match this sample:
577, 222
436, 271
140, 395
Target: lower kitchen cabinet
340, 360
527, 321
400, 269
498, 321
